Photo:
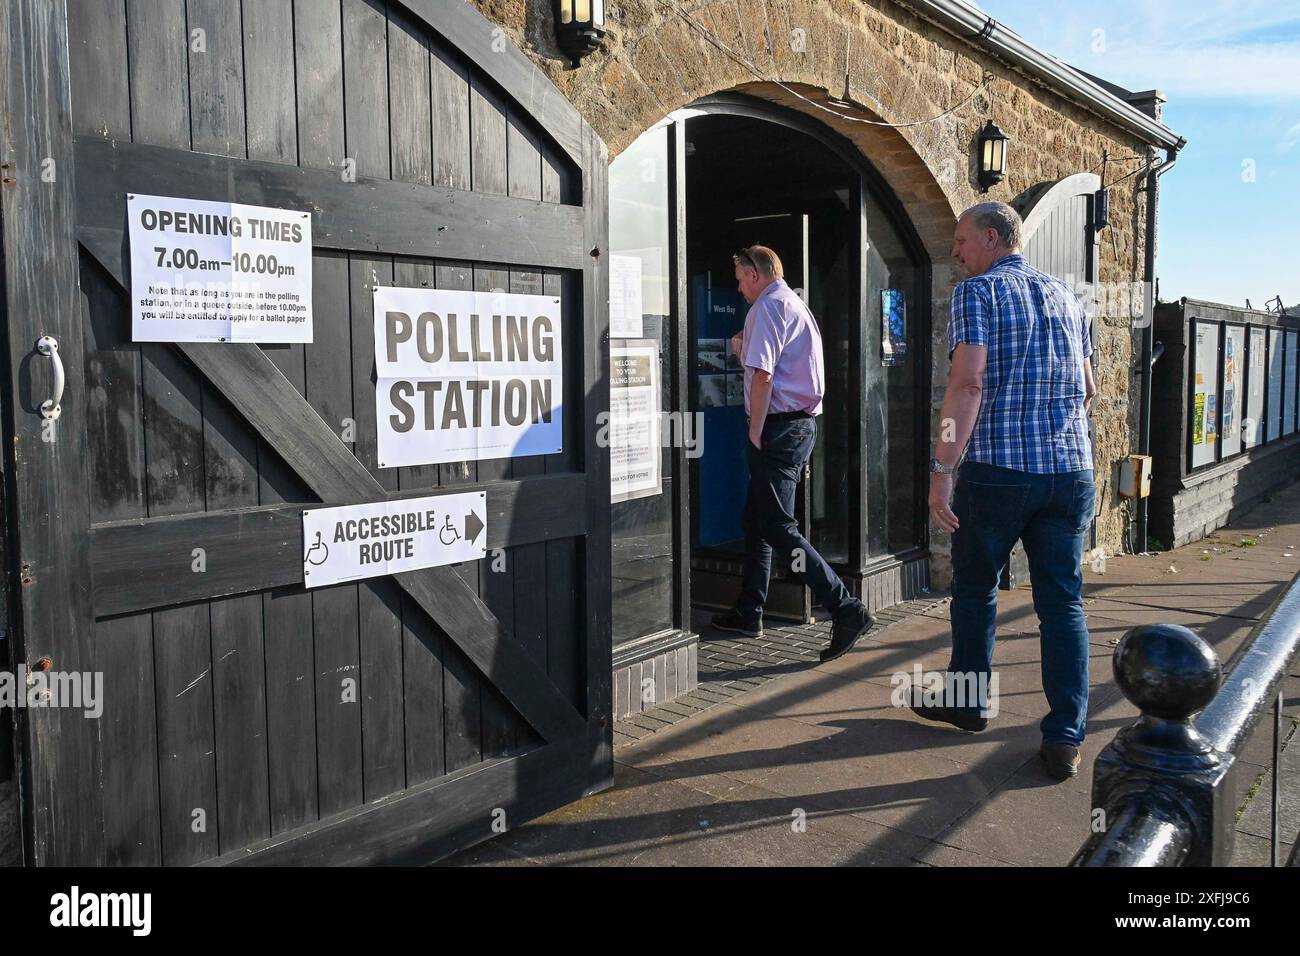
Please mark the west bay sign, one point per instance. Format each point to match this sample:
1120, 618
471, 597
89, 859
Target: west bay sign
460, 376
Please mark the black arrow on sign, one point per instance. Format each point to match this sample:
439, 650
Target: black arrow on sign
473, 525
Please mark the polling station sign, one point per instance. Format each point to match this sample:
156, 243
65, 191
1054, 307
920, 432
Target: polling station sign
388, 537
465, 376
218, 271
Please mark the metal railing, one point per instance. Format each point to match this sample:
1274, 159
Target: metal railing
1162, 790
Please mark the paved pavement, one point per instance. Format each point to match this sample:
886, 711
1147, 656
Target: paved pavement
778, 759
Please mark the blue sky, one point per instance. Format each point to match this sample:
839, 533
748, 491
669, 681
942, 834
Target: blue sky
1232, 74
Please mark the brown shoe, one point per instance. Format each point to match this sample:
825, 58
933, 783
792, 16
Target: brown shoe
1061, 760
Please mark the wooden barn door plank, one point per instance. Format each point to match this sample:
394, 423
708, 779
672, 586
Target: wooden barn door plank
327, 388
50, 505
218, 126
123, 646
159, 42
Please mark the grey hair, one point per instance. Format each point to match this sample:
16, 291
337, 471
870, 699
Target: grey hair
1001, 218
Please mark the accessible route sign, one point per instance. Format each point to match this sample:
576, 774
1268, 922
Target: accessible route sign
388, 537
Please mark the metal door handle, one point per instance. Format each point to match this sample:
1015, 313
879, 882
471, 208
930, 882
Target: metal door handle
47, 345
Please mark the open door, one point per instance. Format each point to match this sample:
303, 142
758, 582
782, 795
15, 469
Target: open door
720, 476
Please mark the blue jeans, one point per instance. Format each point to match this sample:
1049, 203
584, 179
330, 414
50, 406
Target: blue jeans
768, 519
1050, 514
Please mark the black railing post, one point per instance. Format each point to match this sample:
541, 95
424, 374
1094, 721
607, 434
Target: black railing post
1161, 770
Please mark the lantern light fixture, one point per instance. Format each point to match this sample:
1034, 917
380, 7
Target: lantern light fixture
579, 27
992, 156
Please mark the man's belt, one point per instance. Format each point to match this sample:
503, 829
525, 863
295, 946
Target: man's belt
782, 416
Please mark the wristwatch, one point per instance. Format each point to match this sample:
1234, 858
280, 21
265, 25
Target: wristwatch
939, 468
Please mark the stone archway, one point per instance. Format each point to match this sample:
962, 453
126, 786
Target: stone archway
893, 66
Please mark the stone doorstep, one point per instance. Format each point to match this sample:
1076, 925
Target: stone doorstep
723, 664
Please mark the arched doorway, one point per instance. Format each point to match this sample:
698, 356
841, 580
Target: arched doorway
728, 171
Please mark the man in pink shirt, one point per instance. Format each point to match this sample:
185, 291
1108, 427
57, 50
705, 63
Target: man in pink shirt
781, 350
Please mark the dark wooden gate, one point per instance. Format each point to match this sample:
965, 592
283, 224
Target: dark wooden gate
430, 152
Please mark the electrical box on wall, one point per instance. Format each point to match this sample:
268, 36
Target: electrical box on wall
1135, 477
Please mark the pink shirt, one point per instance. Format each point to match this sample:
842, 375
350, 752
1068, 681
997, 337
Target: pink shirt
781, 337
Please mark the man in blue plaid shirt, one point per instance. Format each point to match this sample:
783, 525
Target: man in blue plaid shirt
1017, 402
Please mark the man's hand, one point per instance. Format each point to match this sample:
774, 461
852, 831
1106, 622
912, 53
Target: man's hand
760, 398
941, 501
1089, 388
736, 341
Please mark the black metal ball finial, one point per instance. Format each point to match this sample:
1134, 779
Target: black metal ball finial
1167, 671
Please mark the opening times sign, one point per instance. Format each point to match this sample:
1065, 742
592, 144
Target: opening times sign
218, 272
466, 376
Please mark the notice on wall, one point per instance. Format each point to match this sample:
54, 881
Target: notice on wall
1234, 372
387, 537
625, 311
1205, 392
218, 271
634, 421
465, 376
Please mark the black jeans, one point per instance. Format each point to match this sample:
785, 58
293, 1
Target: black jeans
774, 473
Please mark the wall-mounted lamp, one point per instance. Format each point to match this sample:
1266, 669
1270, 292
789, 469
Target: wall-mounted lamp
1101, 209
579, 26
993, 156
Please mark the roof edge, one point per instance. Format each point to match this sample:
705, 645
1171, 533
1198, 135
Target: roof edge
982, 30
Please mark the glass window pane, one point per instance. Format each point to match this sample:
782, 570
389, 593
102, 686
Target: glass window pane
891, 499
642, 531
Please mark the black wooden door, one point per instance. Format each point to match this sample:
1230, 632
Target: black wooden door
430, 152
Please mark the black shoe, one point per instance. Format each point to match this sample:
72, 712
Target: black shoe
846, 631
962, 719
733, 621
1061, 760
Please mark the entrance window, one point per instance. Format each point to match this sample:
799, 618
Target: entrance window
641, 327
895, 432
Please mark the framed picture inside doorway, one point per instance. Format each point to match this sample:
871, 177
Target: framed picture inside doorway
893, 327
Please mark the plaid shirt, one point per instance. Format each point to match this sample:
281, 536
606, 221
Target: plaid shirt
1031, 416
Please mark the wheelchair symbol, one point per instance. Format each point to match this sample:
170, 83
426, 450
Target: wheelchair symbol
445, 529
319, 545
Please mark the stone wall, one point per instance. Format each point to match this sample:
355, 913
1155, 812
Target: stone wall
900, 69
